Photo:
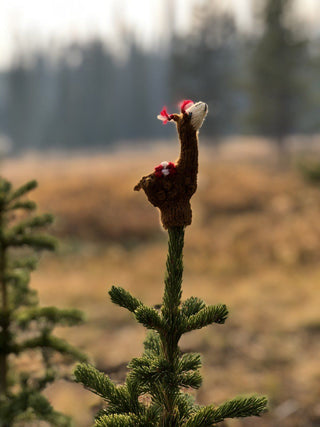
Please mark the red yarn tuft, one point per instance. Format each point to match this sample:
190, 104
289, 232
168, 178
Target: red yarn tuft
164, 112
172, 168
158, 171
164, 116
184, 104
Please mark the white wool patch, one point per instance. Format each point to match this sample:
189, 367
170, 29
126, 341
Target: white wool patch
164, 164
199, 112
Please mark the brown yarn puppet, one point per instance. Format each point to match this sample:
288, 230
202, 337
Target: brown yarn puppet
171, 186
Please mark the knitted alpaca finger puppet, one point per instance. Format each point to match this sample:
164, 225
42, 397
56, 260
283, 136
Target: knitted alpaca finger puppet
171, 186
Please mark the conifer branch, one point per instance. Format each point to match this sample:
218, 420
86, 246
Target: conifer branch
54, 343
28, 263
35, 241
123, 298
186, 406
40, 405
121, 399
119, 421
47, 378
30, 405
189, 362
27, 205
5, 188
53, 315
190, 379
147, 419
95, 381
242, 407
149, 370
236, 408
149, 317
30, 224
206, 316
21, 191
152, 344
17, 277
192, 306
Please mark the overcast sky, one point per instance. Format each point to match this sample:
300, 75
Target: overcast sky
25, 23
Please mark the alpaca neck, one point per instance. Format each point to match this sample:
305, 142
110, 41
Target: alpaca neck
188, 160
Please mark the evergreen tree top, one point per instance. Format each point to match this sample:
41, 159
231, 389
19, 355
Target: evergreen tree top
24, 325
155, 390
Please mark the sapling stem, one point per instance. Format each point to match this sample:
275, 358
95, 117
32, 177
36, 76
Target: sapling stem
170, 334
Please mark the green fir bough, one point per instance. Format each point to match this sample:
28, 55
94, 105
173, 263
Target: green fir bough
25, 327
155, 390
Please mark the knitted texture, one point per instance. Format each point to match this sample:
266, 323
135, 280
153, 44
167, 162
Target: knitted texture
171, 192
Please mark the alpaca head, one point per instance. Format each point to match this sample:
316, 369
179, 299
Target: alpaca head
191, 117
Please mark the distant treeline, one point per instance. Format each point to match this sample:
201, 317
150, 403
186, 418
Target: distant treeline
89, 97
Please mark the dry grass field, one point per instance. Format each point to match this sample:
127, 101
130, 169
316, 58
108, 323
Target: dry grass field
254, 245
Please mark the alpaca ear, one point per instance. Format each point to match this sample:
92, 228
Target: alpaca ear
165, 117
184, 105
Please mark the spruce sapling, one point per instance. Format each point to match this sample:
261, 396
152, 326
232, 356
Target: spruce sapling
24, 325
154, 392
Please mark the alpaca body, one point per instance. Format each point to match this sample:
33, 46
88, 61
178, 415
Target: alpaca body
172, 193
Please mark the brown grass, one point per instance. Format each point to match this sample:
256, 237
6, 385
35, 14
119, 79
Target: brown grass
254, 245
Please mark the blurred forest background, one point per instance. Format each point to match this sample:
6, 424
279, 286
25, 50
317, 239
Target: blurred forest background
80, 117
94, 94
